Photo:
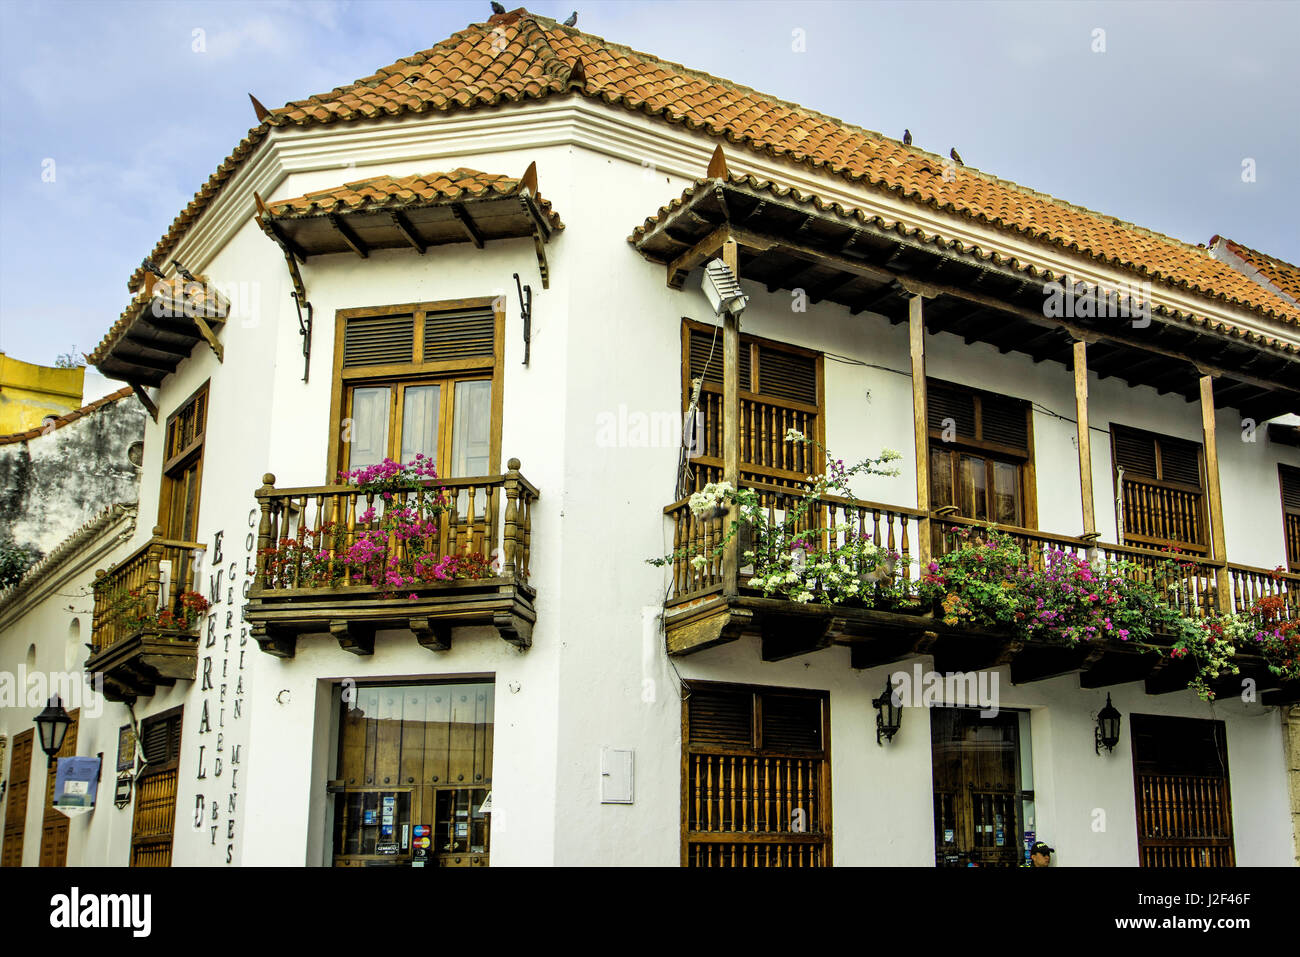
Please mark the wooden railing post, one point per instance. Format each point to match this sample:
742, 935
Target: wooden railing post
100, 623
920, 426
731, 422
1215, 495
1085, 445
508, 547
264, 528
153, 571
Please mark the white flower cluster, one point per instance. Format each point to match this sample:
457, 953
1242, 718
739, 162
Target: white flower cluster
710, 497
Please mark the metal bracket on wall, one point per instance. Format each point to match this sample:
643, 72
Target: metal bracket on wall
526, 309
304, 330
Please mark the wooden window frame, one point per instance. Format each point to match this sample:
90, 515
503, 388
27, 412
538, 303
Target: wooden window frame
177, 461
1289, 516
15, 825
1202, 492
991, 451
754, 343
756, 731
1228, 844
145, 771
417, 372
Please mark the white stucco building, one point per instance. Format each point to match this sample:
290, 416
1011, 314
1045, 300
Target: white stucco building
576, 705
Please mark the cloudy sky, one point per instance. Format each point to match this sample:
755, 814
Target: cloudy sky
110, 120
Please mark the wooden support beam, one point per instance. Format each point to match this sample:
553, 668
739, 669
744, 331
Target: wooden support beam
1084, 437
731, 420
408, 232
696, 255
145, 400
351, 238
467, 224
211, 338
1214, 496
920, 425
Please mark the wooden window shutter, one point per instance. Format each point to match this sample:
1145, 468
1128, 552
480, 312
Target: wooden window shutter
462, 334
709, 367
945, 402
721, 717
1180, 461
792, 723
1290, 488
378, 340
160, 740
1135, 452
1004, 421
785, 375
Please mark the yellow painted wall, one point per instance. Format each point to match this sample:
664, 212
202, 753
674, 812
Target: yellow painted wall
28, 393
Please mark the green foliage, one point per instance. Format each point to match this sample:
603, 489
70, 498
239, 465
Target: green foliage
15, 559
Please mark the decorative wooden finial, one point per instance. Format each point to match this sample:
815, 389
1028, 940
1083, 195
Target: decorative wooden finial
259, 110
577, 76
529, 182
718, 165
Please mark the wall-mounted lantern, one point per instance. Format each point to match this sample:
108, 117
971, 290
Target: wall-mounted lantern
889, 713
1107, 734
52, 726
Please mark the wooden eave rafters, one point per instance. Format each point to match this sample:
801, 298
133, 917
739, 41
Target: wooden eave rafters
416, 224
865, 268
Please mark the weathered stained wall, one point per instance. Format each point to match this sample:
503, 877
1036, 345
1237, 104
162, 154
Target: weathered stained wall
53, 481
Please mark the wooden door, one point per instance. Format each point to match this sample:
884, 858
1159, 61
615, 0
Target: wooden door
412, 758
978, 800
54, 829
154, 823
1184, 811
20, 775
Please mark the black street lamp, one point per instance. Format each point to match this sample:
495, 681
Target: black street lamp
1107, 735
52, 726
889, 713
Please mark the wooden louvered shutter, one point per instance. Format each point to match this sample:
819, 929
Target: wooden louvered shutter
154, 824
944, 402
722, 717
751, 803
785, 375
1135, 452
1004, 421
461, 334
1290, 479
20, 775
378, 340
706, 359
1180, 461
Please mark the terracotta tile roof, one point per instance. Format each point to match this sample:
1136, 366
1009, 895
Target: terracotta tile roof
386, 192
61, 420
801, 197
517, 56
1268, 270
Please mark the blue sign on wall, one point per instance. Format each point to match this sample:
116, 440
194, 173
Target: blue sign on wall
76, 782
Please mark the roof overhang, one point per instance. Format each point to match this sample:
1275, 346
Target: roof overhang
415, 212
791, 240
160, 328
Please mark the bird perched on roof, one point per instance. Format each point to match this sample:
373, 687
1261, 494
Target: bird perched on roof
185, 273
497, 8
573, 19
907, 137
149, 265
956, 156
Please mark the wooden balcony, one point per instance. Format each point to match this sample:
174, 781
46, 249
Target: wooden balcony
894, 624
145, 630
306, 584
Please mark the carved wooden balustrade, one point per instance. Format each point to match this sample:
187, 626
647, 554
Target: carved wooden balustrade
145, 627
325, 553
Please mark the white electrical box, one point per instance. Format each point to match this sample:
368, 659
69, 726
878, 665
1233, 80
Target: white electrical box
615, 776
